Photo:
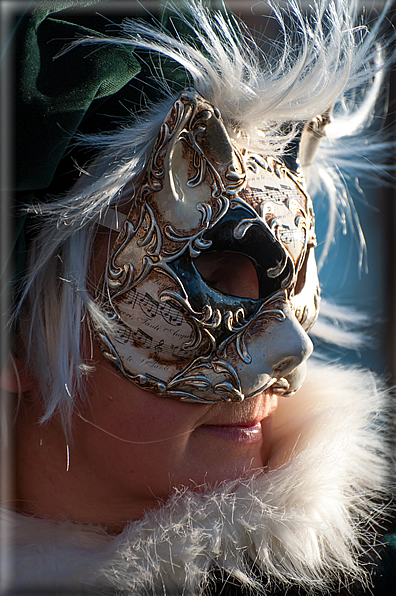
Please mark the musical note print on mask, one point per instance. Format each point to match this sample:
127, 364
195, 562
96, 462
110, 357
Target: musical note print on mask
151, 308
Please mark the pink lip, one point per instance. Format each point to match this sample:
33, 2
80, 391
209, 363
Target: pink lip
249, 432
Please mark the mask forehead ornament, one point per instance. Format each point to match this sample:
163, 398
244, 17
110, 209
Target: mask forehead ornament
175, 332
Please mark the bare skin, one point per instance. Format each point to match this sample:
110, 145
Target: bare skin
109, 481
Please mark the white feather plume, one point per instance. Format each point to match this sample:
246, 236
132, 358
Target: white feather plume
325, 58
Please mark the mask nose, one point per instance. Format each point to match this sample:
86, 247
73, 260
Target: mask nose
289, 347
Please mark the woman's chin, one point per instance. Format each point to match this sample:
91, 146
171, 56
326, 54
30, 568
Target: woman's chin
233, 451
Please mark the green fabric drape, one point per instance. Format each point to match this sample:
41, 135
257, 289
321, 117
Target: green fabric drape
52, 94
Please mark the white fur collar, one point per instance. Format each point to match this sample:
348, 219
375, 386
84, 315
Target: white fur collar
303, 521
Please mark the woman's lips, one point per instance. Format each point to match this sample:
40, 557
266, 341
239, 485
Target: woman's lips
249, 432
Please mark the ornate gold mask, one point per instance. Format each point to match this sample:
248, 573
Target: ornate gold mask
175, 332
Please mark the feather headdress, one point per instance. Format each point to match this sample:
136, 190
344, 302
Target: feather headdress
324, 61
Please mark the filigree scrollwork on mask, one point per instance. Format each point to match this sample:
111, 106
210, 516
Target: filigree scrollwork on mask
198, 194
147, 239
267, 311
205, 321
189, 119
207, 376
194, 243
120, 277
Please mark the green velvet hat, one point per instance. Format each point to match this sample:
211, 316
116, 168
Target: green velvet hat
55, 91
57, 94
53, 94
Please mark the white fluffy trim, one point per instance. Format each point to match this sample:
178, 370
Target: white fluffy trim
305, 520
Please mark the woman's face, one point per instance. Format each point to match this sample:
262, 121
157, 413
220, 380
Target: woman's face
133, 447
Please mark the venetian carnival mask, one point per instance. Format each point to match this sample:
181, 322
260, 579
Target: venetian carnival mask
177, 334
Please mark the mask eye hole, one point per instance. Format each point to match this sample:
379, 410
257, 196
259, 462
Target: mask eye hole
229, 272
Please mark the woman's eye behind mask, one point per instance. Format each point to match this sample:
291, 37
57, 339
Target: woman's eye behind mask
230, 273
206, 285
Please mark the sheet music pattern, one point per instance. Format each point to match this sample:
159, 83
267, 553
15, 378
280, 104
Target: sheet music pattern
141, 338
294, 236
257, 196
151, 307
151, 325
259, 199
